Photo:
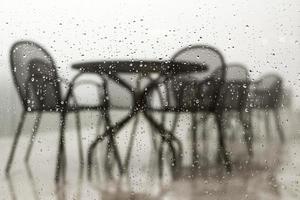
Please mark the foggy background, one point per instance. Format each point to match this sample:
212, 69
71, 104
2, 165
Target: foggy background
263, 35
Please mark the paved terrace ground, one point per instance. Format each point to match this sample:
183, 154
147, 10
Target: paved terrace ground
274, 173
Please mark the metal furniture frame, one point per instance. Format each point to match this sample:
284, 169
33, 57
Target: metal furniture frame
113, 71
266, 94
39, 88
194, 93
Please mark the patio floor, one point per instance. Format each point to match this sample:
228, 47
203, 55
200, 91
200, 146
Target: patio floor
274, 173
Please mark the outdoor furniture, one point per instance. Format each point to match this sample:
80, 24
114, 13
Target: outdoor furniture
235, 93
266, 94
198, 92
113, 71
39, 88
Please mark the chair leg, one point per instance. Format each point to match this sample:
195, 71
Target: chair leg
108, 162
153, 139
174, 145
78, 127
254, 121
160, 160
111, 138
131, 142
176, 117
98, 130
15, 143
195, 155
231, 134
107, 123
245, 118
33, 136
91, 150
222, 147
227, 125
176, 164
279, 126
177, 141
174, 160
117, 154
61, 156
204, 122
11, 188
267, 124
99, 122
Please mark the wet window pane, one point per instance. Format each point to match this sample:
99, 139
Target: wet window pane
149, 99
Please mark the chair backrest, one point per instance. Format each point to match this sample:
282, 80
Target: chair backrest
235, 90
267, 92
35, 76
198, 91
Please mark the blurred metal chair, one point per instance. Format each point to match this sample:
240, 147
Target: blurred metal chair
235, 93
39, 88
196, 92
266, 94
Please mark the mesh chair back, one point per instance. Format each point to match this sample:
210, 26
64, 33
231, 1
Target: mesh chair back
35, 76
267, 92
198, 91
236, 87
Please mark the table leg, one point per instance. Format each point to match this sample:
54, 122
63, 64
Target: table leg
111, 133
169, 138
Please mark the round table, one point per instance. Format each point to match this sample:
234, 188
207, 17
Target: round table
113, 69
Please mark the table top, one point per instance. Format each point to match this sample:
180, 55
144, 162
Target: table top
139, 66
